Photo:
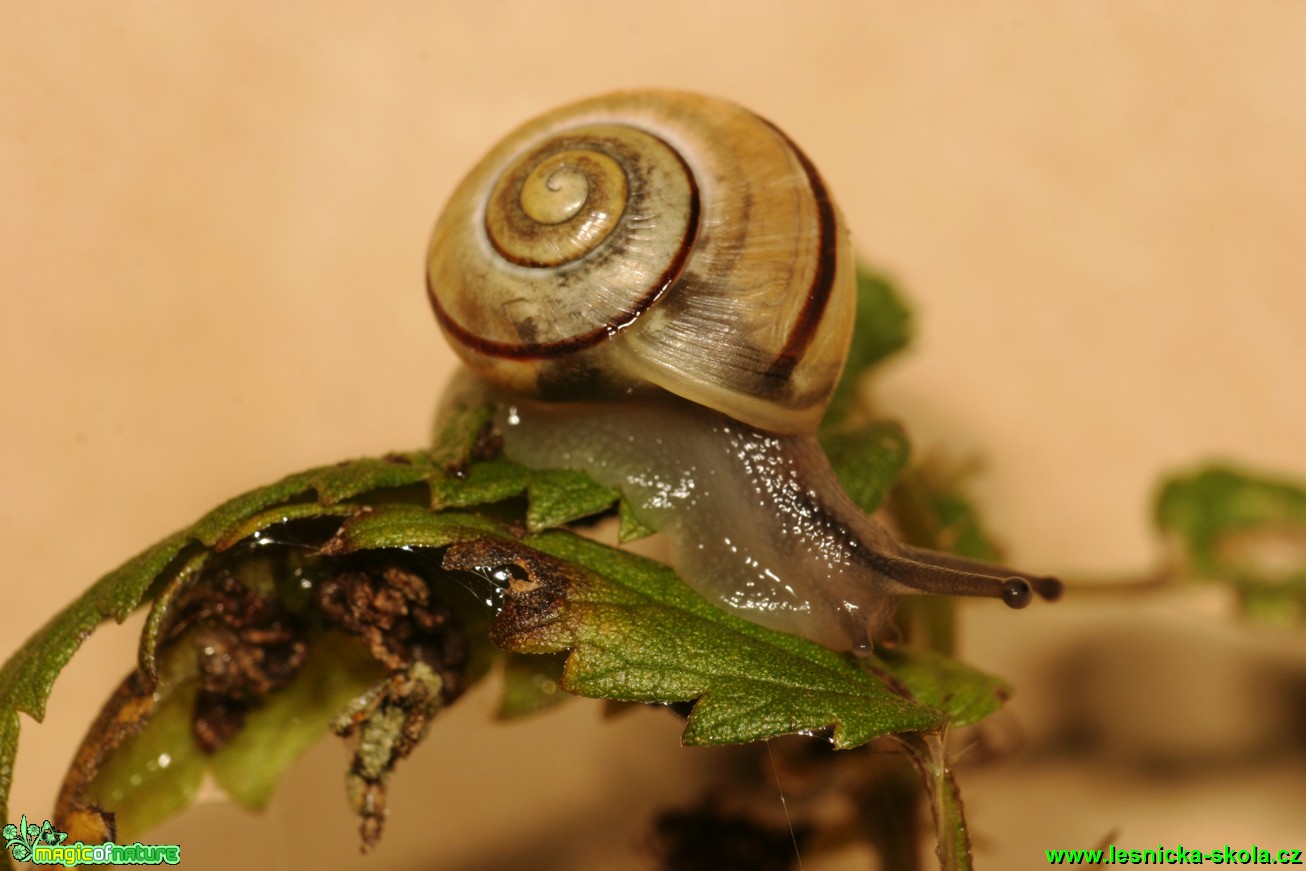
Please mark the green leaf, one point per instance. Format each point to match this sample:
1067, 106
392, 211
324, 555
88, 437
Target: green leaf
884, 323
631, 528
531, 684
561, 496
636, 632
265, 520
480, 484
26, 679
1207, 506
155, 773
28, 676
332, 484
337, 671
933, 510
867, 460
884, 327
458, 433
407, 526
964, 695
1243, 528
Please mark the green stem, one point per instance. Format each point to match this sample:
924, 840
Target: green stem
928, 753
1145, 583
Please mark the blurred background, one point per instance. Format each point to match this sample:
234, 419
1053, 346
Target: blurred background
213, 221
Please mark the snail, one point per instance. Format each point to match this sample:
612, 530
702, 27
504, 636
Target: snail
657, 289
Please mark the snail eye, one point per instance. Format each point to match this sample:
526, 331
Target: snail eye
1016, 592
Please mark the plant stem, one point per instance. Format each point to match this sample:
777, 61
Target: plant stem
928, 754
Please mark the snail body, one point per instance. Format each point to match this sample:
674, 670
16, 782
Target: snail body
656, 288
754, 519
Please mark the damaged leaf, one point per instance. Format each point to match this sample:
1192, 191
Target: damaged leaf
637, 633
26, 679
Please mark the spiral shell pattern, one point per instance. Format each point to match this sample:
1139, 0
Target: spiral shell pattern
649, 240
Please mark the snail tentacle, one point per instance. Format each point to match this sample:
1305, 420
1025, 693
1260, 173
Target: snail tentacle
1044, 586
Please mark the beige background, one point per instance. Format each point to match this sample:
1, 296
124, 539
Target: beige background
212, 226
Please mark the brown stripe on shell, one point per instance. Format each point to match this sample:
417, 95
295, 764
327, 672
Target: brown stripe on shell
548, 350
818, 295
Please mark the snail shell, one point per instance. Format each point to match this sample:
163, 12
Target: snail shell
650, 238
651, 243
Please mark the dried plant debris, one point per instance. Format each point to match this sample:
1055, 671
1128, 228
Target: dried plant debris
384, 726
417, 639
240, 653
393, 610
246, 645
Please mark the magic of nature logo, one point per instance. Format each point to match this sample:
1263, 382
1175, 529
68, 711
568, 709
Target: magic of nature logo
46, 845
